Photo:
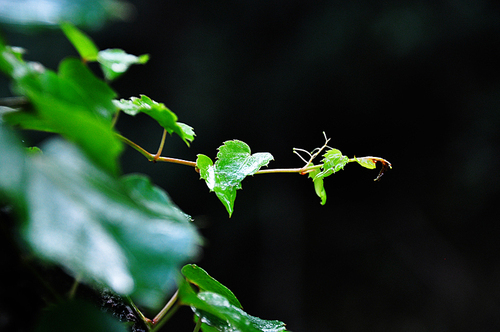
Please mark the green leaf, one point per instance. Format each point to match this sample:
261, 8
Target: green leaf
83, 43
158, 111
101, 230
77, 316
318, 185
12, 170
366, 162
333, 162
115, 62
216, 311
234, 163
199, 277
90, 13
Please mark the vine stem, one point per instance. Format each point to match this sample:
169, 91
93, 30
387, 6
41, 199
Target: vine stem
302, 170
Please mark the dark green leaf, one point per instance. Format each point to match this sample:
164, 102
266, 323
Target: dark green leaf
100, 230
115, 62
234, 163
83, 44
199, 277
12, 169
77, 316
216, 311
158, 111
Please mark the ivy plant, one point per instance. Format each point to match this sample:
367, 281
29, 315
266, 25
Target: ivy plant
121, 232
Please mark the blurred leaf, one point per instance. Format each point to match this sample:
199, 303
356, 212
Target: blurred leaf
114, 62
234, 163
155, 199
77, 316
217, 312
158, 111
90, 13
91, 224
199, 277
83, 44
12, 169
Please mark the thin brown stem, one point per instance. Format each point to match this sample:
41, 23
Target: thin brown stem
166, 308
162, 143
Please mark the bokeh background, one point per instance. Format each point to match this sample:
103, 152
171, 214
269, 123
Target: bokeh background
415, 82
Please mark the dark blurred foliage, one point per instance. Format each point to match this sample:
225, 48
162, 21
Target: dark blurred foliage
415, 82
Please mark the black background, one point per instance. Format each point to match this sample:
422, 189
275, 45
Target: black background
415, 82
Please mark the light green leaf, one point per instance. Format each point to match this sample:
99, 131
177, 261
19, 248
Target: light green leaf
199, 277
367, 162
100, 230
158, 111
83, 43
217, 312
333, 162
318, 185
115, 62
234, 163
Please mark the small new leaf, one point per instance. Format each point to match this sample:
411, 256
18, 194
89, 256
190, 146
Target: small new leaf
234, 163
158, 111
333, 162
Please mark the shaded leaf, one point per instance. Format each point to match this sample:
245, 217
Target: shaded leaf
234, 163
77, 316
115, 62
199, 277
158, 111
95, 227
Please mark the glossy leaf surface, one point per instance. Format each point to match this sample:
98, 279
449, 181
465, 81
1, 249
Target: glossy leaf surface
100, 230
158, 111
217, 312
333, 162
115, 62
234, 163
199, 277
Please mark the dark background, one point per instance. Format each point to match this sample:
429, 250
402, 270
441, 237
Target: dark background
415, 82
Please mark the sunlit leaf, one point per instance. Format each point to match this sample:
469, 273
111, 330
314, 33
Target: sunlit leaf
234, 163
366, 162
158, 111
199, 277
115, 62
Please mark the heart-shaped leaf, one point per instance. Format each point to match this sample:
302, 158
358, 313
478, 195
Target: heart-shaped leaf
234, 163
